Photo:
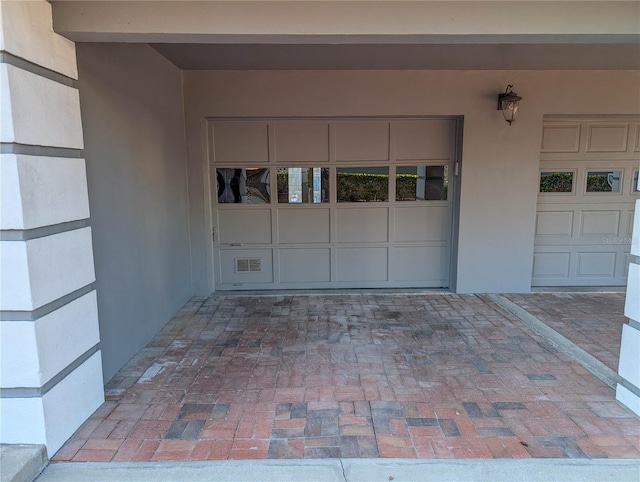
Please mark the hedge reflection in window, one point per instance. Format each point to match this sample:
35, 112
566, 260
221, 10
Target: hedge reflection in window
302, 185
362, 184
243, 185
422, 183
557, 181
603, 181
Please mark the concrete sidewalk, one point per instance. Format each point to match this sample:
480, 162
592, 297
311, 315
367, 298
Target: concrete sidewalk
21, 462
348, 470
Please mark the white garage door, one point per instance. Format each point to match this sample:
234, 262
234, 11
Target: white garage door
321, 203
588, 187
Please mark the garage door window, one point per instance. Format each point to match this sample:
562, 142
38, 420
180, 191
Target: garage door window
362, 184
243, 185
422, 183
556, 181
603, 181
634, 185
303, 185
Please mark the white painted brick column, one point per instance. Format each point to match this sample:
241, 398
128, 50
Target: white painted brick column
628, 392
51, 369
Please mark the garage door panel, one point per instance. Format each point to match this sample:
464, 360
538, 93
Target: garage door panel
420, 263
362, 264
554, 223
362, 225
246, 226
302, 141
636, 144
599, 223
561, 138
239, 142
607, 137
551, 265
245, 266
305, 265
428, 139
422, 224
362, 141
304, 226
596, 264
630, 222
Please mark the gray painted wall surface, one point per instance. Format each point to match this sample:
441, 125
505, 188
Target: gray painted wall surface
133, 121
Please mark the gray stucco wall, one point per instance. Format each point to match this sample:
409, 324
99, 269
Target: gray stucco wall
133, 121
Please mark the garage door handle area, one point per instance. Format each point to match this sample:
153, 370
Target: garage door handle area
236, 244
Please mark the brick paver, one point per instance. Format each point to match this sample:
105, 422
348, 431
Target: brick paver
431, 376
593, 321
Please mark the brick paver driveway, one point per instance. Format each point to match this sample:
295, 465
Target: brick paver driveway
593, 321
363, 375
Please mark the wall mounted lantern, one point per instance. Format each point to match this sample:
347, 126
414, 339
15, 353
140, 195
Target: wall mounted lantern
508, 104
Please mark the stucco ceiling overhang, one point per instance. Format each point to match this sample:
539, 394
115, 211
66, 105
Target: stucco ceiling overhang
359, 34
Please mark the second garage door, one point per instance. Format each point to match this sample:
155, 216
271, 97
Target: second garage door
319, 203
588, 187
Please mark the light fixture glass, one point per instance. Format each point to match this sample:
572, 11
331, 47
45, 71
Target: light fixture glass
508, 104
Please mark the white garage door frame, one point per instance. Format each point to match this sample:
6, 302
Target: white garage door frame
583, 238
272, 251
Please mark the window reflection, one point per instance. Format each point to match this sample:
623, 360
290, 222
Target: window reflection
243, 185
422, 183
603, 181
559, 181
635, 187
362, 184
298, 185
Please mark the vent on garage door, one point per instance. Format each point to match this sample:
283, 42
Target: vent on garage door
248, 265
